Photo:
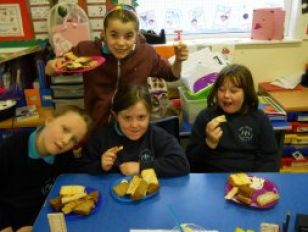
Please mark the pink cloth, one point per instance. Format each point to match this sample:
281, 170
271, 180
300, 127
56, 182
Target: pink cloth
68, 35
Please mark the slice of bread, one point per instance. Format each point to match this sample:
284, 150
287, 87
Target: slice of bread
231, 193
239, 179
116, 149
140, 191
221, 118
246, 190
72, 189
56, 203
69, 198
85, 207
267, 198
245, 200
150, 177
133, 185
121, 188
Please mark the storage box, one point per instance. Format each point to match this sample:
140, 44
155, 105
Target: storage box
32, 97
191, 107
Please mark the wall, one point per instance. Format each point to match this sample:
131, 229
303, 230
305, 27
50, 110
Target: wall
270, 61
266, 61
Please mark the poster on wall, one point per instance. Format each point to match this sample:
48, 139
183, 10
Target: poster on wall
15, 21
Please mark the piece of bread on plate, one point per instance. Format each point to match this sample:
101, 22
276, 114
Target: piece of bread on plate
245, 200
72, 189
267, 198
239, 179
150, 177
121, 188
231, 193
140, 191
85, 207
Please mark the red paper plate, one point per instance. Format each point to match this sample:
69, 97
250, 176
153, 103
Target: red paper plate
100, 60
268, 186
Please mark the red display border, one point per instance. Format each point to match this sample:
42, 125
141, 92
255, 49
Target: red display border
26, 21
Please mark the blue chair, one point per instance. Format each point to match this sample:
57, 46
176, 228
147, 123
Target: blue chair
170, 124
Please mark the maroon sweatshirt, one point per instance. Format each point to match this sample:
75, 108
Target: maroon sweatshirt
101, 83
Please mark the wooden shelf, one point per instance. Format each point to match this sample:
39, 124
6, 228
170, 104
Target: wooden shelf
7, 54
11, 123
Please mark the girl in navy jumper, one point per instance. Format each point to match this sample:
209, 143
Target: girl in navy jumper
144, 145
246, 141
30, 162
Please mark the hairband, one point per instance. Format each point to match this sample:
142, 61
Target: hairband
122, 7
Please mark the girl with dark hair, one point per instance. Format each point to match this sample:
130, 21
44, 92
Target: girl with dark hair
130, 143
245, 142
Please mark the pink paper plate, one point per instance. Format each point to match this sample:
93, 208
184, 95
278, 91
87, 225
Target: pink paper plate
100, 60
268, 186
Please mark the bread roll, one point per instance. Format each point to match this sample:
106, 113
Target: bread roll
150, 177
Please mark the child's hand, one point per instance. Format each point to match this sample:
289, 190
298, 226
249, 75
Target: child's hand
181, 52
50, 68
213, 133
109, 157
130, 168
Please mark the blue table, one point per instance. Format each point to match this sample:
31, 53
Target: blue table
197, 198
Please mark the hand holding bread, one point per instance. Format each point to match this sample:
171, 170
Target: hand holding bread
213, 131
109, 157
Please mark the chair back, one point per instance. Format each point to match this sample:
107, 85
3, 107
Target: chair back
170, 124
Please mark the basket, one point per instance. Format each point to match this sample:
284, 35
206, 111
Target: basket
191, 107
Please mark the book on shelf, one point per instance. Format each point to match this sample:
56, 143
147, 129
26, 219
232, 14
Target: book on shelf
281, 125
272, 108
24, 113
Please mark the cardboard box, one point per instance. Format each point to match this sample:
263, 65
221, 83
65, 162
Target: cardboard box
32, 97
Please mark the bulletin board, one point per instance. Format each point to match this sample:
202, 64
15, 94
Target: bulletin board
15, 21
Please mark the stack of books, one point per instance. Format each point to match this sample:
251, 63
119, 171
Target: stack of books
26, 113
276, 114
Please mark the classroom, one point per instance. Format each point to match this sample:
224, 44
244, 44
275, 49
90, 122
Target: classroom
152, 116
